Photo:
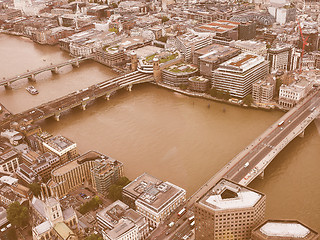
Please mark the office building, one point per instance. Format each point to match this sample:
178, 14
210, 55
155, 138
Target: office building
222, 28
178, 74
262, 91
61, 146
250, 46
91, 168
247, 30
228, 211
238, 74
153, 198
118, 221
198, 84
105, 172
9, 158
283, 230
209, 57
279, 57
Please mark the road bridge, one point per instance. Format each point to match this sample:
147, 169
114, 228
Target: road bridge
31, 75
79, 98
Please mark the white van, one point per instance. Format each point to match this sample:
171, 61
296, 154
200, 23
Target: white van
246, 164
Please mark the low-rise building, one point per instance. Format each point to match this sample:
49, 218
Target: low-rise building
228, 210
61, 146
178, 74
290, 95
9, 159
198, 84
283, 230
222, 28
259, 48
238, 74
153, 198
262, 91
118, 221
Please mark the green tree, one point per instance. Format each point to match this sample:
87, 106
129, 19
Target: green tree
115, 192
123, 181
93, 204
35, 189
18, 215
213, 92
248, 100
183, 86
163, 39
94, 237
114, 5
113, 30
12, 234
164, 19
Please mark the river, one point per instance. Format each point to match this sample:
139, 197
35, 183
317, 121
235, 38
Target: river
168, 135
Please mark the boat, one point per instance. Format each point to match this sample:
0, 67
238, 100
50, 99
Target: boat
32, 90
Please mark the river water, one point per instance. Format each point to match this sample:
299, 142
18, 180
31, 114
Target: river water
173, 137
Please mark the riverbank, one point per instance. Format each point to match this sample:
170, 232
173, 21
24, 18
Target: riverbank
4, 113
273, 106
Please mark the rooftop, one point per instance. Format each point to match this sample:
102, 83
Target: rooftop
59, 143
198, 79
229, 195
182, 68
220, 26
63, 230
215, 52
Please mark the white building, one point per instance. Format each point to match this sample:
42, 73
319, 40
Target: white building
153, 198
290, 95
238, 74
190, 42
279, 57
250, 46
119, 222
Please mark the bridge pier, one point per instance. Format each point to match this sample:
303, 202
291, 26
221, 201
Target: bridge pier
83, 105
107, 96
75, 64
129, 88
32, 78
57, 117
8, 86
301, 134
55, 70
261, 175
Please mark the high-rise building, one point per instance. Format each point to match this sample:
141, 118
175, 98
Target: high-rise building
279, 57
228, 211
283, 230
237, 75
153, 198
262, 91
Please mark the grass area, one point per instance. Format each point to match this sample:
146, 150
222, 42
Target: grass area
182, 69
164, 59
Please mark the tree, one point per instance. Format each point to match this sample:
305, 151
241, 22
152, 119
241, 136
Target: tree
94, 237
93, 204
183, 86
11, 234
164, 19
35, 189
248, 100
115, 192
123, 181
18, 215
213, 92
114, 5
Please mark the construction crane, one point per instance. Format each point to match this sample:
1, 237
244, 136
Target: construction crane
304, 43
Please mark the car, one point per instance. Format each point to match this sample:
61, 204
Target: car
9, 225
167, 233
3, 229
281, 128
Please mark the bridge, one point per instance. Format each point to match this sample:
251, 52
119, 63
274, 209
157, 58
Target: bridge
31, 75
79, 98
253, 160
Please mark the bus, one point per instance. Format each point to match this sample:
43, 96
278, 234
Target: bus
182, 211
280, 123
312, 109
191, 219
192, 224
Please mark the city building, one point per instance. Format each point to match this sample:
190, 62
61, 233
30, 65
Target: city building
247, 30
250, 46
118, 221
153, 198
51, 222
279, 57
9, 158
222, 28
209, 57
283, 230
77, 172
63, 147
228, 211
190, 42
105, 172
178, 74
198, 83
290, 95
262, 91
283, 14
237, 75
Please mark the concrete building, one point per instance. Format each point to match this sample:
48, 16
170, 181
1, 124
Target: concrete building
283, 230
153, 198
262, 91
61, 146
178, 74
198, 84
9, 158
209, 57
119, 222
77, 172
247, 30
222, 28
228, 211
290, 95
188, 43
283, 14
105, 172
237, 75
279, 57
250, 46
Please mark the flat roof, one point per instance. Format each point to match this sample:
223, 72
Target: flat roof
59, 143
227, 195
220, 26
215, 52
